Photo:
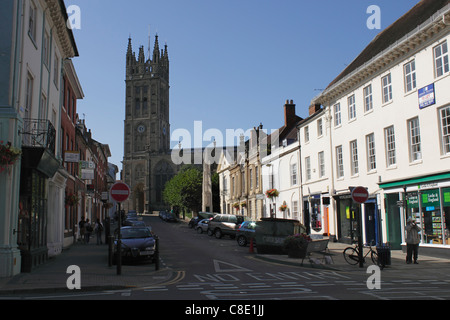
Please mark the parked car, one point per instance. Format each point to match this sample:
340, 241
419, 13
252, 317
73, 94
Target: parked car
132, 222
202, 225
225, 224
193, 222
163, 214
170, 217
132, 215
245, 233
138, 243
201, 215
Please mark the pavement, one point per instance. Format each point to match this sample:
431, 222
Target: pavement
96, 274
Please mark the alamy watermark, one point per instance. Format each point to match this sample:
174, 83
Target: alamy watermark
374, 280
233, 143
374, 21
74, 20
74, 280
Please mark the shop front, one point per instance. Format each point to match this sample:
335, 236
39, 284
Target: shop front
316, 215
427, 201
38, 166
348, 213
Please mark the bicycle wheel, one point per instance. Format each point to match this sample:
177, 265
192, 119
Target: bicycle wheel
351, 255
374, 256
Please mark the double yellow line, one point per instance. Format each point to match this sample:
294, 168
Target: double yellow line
179, 276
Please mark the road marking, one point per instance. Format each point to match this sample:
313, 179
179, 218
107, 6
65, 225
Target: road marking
257, 292
218, 266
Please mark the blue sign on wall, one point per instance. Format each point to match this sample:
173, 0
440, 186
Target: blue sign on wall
427, 96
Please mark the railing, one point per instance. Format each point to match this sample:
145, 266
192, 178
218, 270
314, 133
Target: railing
39, 133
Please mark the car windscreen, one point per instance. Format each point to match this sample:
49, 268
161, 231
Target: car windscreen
134, 233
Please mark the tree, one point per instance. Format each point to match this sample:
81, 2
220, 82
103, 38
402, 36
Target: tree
185, 189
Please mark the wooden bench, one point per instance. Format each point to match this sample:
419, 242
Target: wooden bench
319, 247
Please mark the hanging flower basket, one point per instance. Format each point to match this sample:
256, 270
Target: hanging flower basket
236, 205
71, 200
272, 193
244, 204
8, 155
283, 207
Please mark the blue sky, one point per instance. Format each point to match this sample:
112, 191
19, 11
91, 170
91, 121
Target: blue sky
233, 63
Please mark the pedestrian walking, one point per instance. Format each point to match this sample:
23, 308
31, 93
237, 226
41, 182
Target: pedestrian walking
88, 231
412, 241
82, 228
98, 231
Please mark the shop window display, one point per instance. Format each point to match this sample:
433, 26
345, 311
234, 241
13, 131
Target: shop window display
446, 214
432, 216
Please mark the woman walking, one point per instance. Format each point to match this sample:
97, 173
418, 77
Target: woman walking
87, 234
98, 231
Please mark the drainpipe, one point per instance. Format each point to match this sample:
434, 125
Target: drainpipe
299, 161
331, 191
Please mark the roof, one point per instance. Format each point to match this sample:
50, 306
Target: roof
420, 13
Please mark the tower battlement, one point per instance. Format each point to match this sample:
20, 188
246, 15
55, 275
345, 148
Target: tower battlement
155, 66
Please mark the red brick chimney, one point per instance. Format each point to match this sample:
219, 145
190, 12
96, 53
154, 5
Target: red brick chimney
314, 108
289, 113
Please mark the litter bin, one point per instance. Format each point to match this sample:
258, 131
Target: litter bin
384, 255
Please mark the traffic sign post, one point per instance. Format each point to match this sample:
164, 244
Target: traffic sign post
359, 195
120, 193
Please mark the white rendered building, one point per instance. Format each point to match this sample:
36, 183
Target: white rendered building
390, 131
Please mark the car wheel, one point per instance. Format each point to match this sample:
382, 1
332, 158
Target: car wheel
218, 233
242, 241
199, 230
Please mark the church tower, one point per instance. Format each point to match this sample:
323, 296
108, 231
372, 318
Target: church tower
147, 165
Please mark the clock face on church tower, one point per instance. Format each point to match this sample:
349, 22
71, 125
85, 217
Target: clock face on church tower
141, 128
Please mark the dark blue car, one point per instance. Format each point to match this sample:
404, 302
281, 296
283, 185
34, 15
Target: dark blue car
245, 233
138, 243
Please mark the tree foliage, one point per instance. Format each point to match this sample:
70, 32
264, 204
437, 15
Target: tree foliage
185, 189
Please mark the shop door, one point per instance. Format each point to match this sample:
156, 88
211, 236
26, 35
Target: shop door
370, 222
394, 231
306, 217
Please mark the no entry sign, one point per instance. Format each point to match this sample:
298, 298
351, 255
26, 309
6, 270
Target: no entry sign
120, 192
360, 195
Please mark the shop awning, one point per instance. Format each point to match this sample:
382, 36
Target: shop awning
416, 180
40, 159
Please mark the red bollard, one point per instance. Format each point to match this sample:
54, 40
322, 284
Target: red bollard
251, 245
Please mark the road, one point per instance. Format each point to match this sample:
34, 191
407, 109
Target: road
206, 268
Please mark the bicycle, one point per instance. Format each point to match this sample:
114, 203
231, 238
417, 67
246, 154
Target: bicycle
351, 255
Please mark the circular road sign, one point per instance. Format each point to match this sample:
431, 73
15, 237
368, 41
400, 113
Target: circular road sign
360, 195
120, 192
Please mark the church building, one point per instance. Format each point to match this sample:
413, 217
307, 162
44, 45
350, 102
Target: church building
147, 163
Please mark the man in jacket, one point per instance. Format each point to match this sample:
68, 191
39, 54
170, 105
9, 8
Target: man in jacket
412, 241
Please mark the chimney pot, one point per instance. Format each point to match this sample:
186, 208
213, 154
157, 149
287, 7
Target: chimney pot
289, 113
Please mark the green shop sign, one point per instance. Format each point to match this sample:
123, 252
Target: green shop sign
430, 198
446, 195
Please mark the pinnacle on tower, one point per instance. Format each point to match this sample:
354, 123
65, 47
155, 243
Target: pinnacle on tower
156, 55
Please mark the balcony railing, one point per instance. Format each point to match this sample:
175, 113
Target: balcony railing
39, 133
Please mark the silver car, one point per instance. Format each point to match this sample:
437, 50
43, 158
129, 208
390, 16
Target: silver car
202, 225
